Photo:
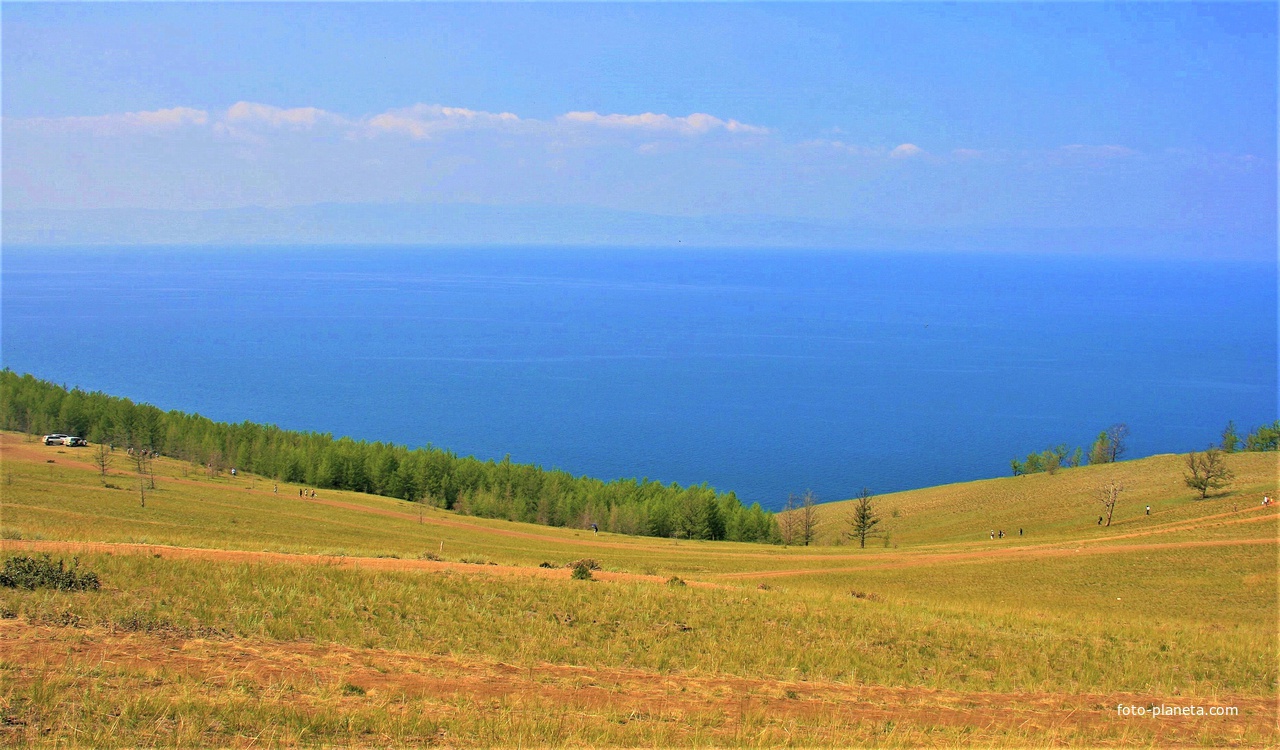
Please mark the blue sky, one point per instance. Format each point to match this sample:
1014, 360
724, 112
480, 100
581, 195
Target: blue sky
1151, 116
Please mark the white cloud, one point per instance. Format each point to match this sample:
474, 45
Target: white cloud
251, 113
118, 124
694, 124
424, 120
906, 151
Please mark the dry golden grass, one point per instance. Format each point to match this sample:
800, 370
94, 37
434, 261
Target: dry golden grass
340, 633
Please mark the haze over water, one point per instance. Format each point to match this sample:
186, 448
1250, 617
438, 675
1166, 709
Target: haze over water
765, 373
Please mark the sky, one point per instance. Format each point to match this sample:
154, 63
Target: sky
1158, 117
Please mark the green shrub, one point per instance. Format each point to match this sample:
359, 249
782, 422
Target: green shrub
582, 572
31, 573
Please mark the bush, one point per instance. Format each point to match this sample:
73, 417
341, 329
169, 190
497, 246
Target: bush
31, 573
676, 581
581, 572
587, 562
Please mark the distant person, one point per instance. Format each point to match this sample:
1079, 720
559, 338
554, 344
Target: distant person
275, 489
1002, 533
1019, 531
233, 471
1148, 510
993, 534
595, 529
299, 492
1099, 520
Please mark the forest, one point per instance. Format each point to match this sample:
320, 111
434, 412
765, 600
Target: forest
487, 488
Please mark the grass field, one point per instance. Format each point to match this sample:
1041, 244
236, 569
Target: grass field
236, 613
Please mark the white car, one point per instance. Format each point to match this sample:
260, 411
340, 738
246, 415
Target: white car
74, 442
56, 438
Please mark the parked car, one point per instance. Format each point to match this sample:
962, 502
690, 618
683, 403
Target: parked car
74, 442
56, 438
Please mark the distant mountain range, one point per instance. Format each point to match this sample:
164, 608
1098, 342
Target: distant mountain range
473, 224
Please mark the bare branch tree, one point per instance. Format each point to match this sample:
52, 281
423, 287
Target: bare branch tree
102, 458
1209, 471
788, 520
1110, 445
1117, 437
1108, 495
808, 517
141, 459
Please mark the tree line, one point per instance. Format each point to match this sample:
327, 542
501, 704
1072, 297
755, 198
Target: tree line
1112, 443
1107, 448
492, 489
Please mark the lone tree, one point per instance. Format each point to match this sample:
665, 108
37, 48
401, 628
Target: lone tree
1231, 441
862, 523
141, 459
789, 520
1108, 495
102, 458
1110, 445
1208, 471
808, 517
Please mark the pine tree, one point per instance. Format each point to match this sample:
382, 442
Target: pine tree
863, 522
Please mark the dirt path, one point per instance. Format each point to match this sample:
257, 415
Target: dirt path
330, 678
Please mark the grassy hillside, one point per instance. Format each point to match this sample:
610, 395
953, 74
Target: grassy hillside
1064, 505
233, 614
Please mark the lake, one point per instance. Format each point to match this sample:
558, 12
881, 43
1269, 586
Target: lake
765, 373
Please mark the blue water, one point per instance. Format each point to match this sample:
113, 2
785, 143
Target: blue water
762, 373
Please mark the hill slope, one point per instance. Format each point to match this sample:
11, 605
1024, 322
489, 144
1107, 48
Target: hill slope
235, 612
1061, 506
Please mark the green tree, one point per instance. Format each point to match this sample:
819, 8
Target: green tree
1231, 441
862, 523
1207, 471
1264, 438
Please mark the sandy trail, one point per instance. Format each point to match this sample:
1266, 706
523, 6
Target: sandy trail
306, 671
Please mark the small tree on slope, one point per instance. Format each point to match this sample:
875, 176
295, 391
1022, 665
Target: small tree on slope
862, 523
1208, 471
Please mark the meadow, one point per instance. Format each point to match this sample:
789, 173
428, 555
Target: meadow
234, 612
